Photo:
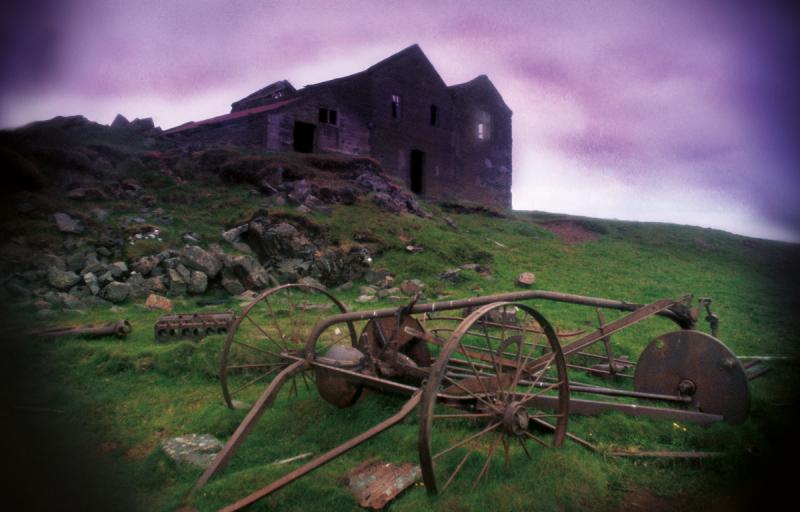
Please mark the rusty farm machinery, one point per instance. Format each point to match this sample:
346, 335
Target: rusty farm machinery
484, 375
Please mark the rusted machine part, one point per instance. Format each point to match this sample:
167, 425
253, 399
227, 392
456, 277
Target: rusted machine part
193, 326
375, 483
332, 386
387, 342
399, 416
497, 402
695, 364
257, 336
120, 329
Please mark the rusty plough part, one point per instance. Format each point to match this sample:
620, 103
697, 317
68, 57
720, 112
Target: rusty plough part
498, 381
193, 326
120, 329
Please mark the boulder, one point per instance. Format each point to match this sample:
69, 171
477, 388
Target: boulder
156, 284
412, 287
76, 261
231, 284
197, 258
198, 282
146, 264
67, 224
91, 283
158, 302
310, 281
452, 275
249, 271
177, 286
118, 269
526, 279
192, 449
116, 292
62, 280
120, 121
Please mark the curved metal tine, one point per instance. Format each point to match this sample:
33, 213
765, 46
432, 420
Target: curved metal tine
545, 389
284, 347
253, 366
487, 465
467, 439
295, 332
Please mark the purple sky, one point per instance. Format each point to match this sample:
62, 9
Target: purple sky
674, 111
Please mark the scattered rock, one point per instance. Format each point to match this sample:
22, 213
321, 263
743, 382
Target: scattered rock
526, 279
366, 298
231, 284
451, 276
249, 271
197, 258
177, 286
450, 222
116, 292
62, 280
198, 282
414, 249
67, 224
91, 282
310, 281
158, 302
195, 449
412, 287
99, 214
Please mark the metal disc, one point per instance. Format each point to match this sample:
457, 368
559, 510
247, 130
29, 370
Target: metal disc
693, 363
375, 340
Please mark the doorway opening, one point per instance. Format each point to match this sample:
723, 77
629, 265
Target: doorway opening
417, 162
303, 137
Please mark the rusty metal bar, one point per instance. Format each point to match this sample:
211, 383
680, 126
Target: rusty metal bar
241, 433
120, 328
407, 409
593, 407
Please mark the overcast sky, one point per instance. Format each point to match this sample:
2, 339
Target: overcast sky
673, 111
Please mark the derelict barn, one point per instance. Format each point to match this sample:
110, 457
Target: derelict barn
443, 142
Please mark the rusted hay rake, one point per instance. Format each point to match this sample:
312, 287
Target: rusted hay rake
491, 382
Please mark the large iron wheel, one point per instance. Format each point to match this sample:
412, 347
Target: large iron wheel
278, 321
479, 396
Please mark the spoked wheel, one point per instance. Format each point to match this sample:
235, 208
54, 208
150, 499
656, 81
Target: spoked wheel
478, 401
277, 321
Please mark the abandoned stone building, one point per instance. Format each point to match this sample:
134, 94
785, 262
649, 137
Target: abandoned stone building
444, 142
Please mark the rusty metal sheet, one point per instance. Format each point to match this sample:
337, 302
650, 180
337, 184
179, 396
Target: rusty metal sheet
375, 483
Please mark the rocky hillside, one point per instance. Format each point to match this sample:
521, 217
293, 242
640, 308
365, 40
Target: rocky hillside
103, 214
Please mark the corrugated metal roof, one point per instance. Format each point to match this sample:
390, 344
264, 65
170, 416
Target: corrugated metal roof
230, 117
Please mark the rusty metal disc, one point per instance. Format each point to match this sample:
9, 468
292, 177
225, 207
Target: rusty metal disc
693, 363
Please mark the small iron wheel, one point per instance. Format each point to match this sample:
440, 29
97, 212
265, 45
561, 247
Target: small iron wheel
479, 398
278, 320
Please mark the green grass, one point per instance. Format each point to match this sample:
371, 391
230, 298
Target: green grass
120, 398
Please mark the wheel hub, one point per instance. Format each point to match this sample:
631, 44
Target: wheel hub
515, 419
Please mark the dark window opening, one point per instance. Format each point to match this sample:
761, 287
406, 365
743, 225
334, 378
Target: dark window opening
396, 106
434, 115
417, 162
303, 137
328, 116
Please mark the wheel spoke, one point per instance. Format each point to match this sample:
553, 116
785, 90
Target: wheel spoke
536, 439
467, 439
284, 347
488, 464
463, 416
257, 349
274, 318
253, 381
455, 471
470, 393
525, 448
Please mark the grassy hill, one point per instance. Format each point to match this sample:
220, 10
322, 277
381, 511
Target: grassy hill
85, 418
